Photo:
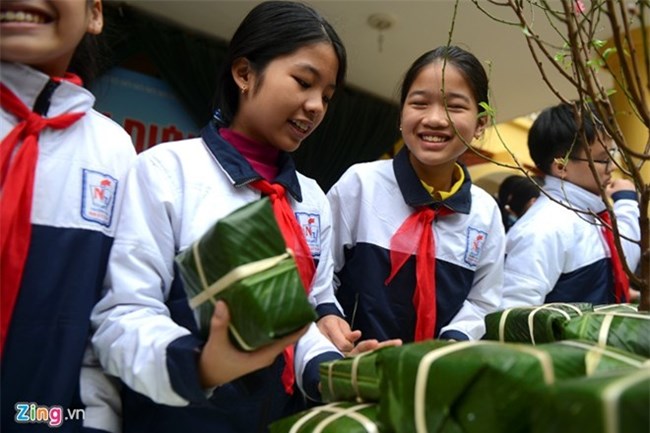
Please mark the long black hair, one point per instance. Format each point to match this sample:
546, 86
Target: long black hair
270, 30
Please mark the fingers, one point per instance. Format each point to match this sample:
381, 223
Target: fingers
210, 361
393, 342
365, 346
337, 330
353, 336
619, 185
219, 323
344, 340
221, 362
372, 344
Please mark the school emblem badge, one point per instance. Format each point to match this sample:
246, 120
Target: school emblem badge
98, 197
310, 225
475, 241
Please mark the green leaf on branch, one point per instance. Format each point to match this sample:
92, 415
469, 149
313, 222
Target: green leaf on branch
598, 43
488, 110
608, 52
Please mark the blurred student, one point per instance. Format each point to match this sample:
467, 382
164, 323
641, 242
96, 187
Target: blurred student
560, 250
516, 194
61, 185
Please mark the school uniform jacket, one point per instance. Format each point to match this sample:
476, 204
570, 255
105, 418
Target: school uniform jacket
369, 203
145, 331
557, 252
78, 191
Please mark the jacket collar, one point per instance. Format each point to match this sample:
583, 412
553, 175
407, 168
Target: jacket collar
573, 195
415, 195
240, 171
27, 83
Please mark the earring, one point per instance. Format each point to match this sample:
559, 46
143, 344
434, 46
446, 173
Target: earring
244, 89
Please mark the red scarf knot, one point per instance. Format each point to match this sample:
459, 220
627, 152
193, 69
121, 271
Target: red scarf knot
295, 240
415, 236
34, 124
621, 281
18, 158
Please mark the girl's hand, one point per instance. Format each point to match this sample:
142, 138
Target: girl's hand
367, 345
338, 331
221, 362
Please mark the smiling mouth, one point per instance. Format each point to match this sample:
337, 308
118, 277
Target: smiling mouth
434, 138
301, 126
22, 16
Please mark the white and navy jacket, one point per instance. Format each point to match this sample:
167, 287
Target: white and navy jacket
556, 252
77, 196
145, 331
369, 203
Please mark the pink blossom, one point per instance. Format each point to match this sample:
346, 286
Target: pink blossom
580, 6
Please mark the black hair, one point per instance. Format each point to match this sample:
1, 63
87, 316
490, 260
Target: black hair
90, 57
514, 193
556, 134
466, 63
270, 30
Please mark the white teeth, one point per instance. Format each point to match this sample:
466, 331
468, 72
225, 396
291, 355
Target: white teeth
301, 125
433, 139
20, 17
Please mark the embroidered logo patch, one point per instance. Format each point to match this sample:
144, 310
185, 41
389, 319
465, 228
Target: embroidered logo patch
310, 225
475, 241
98, 197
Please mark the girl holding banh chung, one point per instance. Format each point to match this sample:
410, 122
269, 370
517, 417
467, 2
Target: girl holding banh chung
282, 67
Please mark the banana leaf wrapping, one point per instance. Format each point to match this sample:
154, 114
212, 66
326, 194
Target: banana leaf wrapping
341, 417
619, 308
535, 324
599, 359
627, 331
616, 402
242, 259
351, 379
479, 386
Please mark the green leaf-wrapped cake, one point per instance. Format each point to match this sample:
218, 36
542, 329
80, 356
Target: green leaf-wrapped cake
243, 260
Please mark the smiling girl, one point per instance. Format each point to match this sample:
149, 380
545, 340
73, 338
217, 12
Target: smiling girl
61, 179
418, 249
283, 65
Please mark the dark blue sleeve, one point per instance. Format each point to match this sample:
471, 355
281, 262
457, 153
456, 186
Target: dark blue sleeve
311, 375
453, 335
328, 308
183, 365
625, 195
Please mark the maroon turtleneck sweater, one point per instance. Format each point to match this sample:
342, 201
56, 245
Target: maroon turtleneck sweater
261, 156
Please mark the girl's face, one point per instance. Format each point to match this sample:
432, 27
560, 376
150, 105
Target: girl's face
289, 100
44, 34
430, 129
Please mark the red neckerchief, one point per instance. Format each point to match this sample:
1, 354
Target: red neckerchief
415, 236
621, 281
18, 157
295, 240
